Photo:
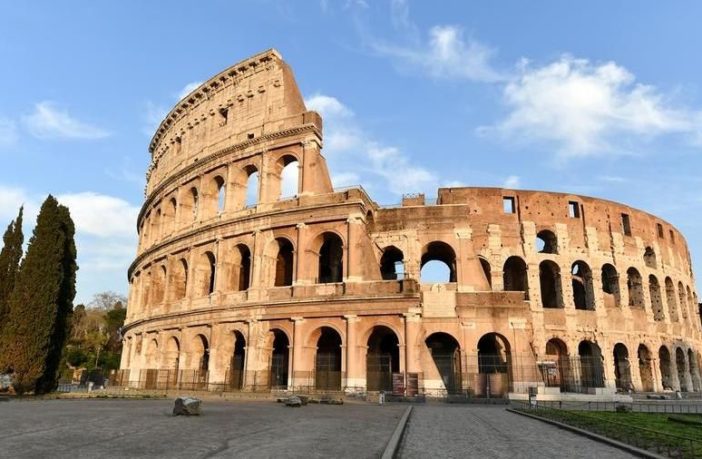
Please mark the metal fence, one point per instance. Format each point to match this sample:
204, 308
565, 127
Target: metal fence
638, 406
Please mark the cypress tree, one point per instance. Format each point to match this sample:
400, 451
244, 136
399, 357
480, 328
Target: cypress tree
42, 301
10, 257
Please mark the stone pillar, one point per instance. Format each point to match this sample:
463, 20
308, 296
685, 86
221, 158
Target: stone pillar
412, 324
353, 266
218, 359
354, 379
301, 275
297, 374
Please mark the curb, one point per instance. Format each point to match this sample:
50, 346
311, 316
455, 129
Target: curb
600, 438
394, 442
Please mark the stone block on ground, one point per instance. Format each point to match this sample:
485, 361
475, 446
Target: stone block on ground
187, 406
293, 401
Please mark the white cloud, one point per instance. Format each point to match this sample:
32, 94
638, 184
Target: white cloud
446, 54
101, 215
8, 132
188, 88
584, 108
356, 154
512, 181
50, 122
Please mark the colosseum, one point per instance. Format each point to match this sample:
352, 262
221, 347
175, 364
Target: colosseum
253, 273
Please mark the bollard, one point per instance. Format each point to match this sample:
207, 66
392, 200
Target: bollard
381, 398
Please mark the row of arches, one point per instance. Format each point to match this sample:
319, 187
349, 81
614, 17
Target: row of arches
228, 190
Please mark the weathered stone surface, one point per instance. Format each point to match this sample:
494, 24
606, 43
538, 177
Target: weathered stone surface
187, 406
293, 401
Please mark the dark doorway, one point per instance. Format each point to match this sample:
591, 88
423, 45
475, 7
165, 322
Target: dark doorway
279, 360
328, 360
446, 353
236, 366
383, 359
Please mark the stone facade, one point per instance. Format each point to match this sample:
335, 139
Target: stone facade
253, 271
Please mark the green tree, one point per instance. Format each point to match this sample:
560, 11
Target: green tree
42, 301
10, 257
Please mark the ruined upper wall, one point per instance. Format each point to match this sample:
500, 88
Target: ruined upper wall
255, 98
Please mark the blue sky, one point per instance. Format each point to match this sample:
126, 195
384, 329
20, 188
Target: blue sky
599, 98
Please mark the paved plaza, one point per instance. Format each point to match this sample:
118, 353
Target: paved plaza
467, 431
145, 428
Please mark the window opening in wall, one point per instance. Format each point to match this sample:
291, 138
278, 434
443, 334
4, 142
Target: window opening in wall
654, 291
212, 273
634, 286
546, 242
514, 275
438, 263
252, 189
581, 280
650, 258
223, 115
221, 194
196, 202
284, 263
508, 205
550, 283
289, 178
331, 259
626, 225
610, 285
659, 227
250, 135
573, 209
672, 237
392, 266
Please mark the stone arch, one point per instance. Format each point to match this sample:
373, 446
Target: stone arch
179, 280
557, 372
171, 356
252, 186
284, 259
654, 290
191, 205
583, 292
200, 353
205, 273
681, 364
220, 189
514, 275
382, 358
289, 178
275, 175
330, 263
159, 285
487, 270
665, 367
694, 371
682, 300
671, 300
392, 264
443, 253
152, 355
610, 285
546, 242
446, 354
280, 358
240, 269
170, 221
591, 366
622, 368
328, 359
649, 258
550, 283
690, 300
494, 365
645, 368
235, 373
634, 285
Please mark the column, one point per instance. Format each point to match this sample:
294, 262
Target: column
297, 375
353, 266
354, 379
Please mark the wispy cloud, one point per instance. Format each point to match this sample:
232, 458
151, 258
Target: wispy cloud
513, 181
101, 215
356, 154
48, 121
585, 109
188, 88
8, 132
446, 54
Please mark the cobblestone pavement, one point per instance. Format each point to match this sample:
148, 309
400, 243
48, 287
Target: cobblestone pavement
452, 431
144, 428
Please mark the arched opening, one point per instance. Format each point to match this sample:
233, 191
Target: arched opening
438, 263
581, 280
251, 186
221, 193
494, 366
328, 360
392, 264
200, 362
671, 300
179, 281
622, 368
236, 364
654, 290
610, 285
382, 359
284, 263
446, 354
691, 301
171, 358
206, 270
289, 177
279, 360
682, 300
194, 203
173, 207
546, 242
331, 259
556, 369
157, 224
514, 275
664, 362
159, 285
681, 364
591, 367
645, 369
650, 258
152, 355
694, 371
487, 270
634, 285
241, 268
550, 283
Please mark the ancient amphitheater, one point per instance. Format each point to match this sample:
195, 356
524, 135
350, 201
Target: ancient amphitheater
254, 273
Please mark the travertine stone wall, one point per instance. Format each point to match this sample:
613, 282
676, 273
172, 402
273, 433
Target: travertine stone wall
231, 267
